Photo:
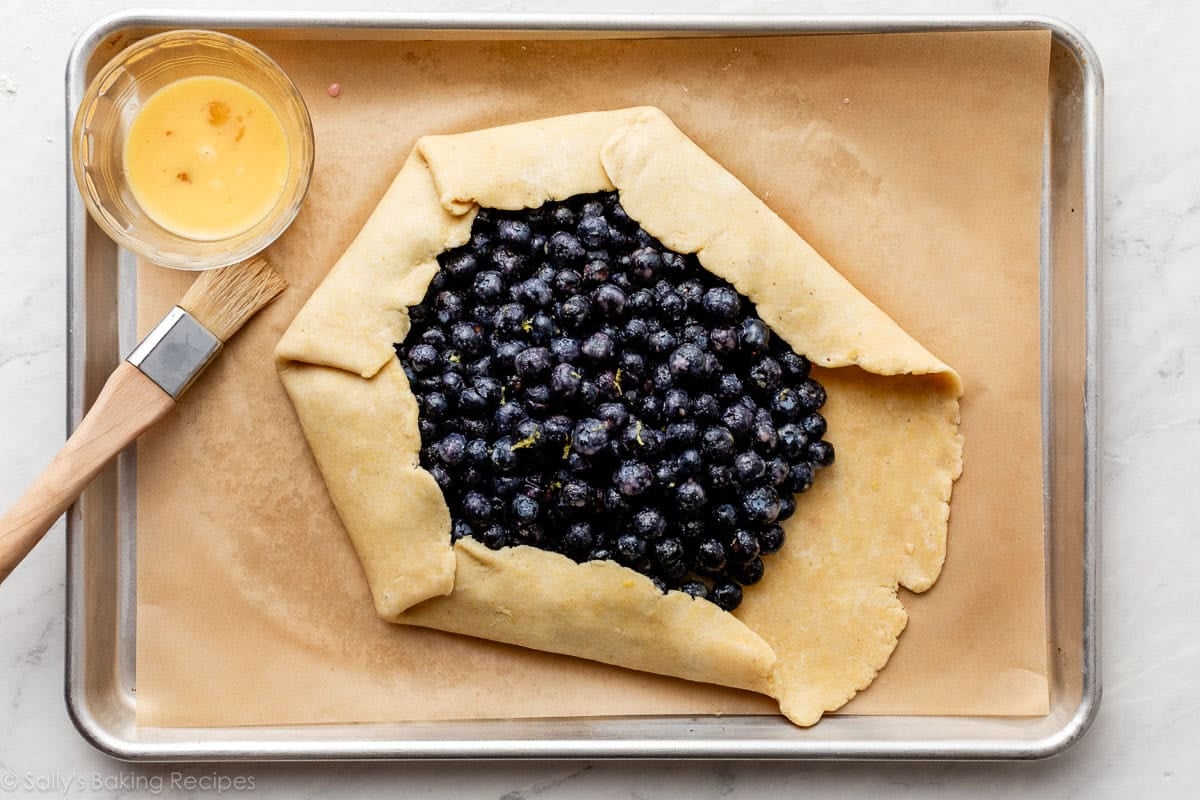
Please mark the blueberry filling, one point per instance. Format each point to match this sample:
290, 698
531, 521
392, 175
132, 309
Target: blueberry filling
585, 390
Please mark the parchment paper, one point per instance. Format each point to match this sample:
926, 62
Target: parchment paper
911, 162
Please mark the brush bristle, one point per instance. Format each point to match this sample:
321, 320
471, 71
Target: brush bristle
223, 299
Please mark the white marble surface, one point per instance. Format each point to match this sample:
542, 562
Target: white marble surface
1145, 739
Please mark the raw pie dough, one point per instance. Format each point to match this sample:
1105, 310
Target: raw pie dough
826, 617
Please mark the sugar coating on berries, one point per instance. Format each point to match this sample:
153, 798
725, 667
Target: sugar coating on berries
583, 389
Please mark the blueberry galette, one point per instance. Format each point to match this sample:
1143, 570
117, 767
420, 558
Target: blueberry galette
573, 387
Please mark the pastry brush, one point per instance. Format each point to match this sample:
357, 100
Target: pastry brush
140, 392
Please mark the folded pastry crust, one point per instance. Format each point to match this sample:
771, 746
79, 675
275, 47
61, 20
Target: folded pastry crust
826, 617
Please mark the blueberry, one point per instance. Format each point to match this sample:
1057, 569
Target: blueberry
460, 529
710, 556
632, 364
787, 507
667, 473
692, 293
613, 415
461, 267
649, 524
449, 306
743, 546
592, 208
494, 537
562, 217
633, 478
537, 396
535, 292
766, 374
748, 573
677, 404
686, 361
672, 306
754, 336
811, 395
480, 366
577, 539
528, 434
565, 349
508, 263
565, 248
488, 286
690, 462
630, 548
814, 426
596, 271
589, 437
771, 539
682, 434
645, 265
721, 303
748, 468
761, 505
725, 516
696, 589
592, 231
723, 340
532, 363
668, 551
690, 496
641, 440
720, 476
777, 472
641, 302
428, 429
433, 336
557, 429
476, 508
504, 457
475, 427
738, 419
800, 478
476, 451
575, 311
436, 406
452, 449
820, 453
488, 388
793, 441
610, 300
576, 495
524, 509
566, 281
706, 408
726, 594
423, 357
601, 554
729, 387
598, 347
514, 231
608, 387
565, 381
508, 415
794, 366
442, 476
717, 443
661, 342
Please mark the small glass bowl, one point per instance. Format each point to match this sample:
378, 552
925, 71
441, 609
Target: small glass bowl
107, 112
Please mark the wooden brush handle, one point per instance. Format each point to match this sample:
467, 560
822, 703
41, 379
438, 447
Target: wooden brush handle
128, 404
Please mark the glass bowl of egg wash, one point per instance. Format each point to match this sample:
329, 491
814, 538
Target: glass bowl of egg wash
193, 149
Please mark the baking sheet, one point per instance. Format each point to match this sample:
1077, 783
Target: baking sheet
912, 162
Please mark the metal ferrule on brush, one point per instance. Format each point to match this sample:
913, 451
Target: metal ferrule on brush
175, 352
